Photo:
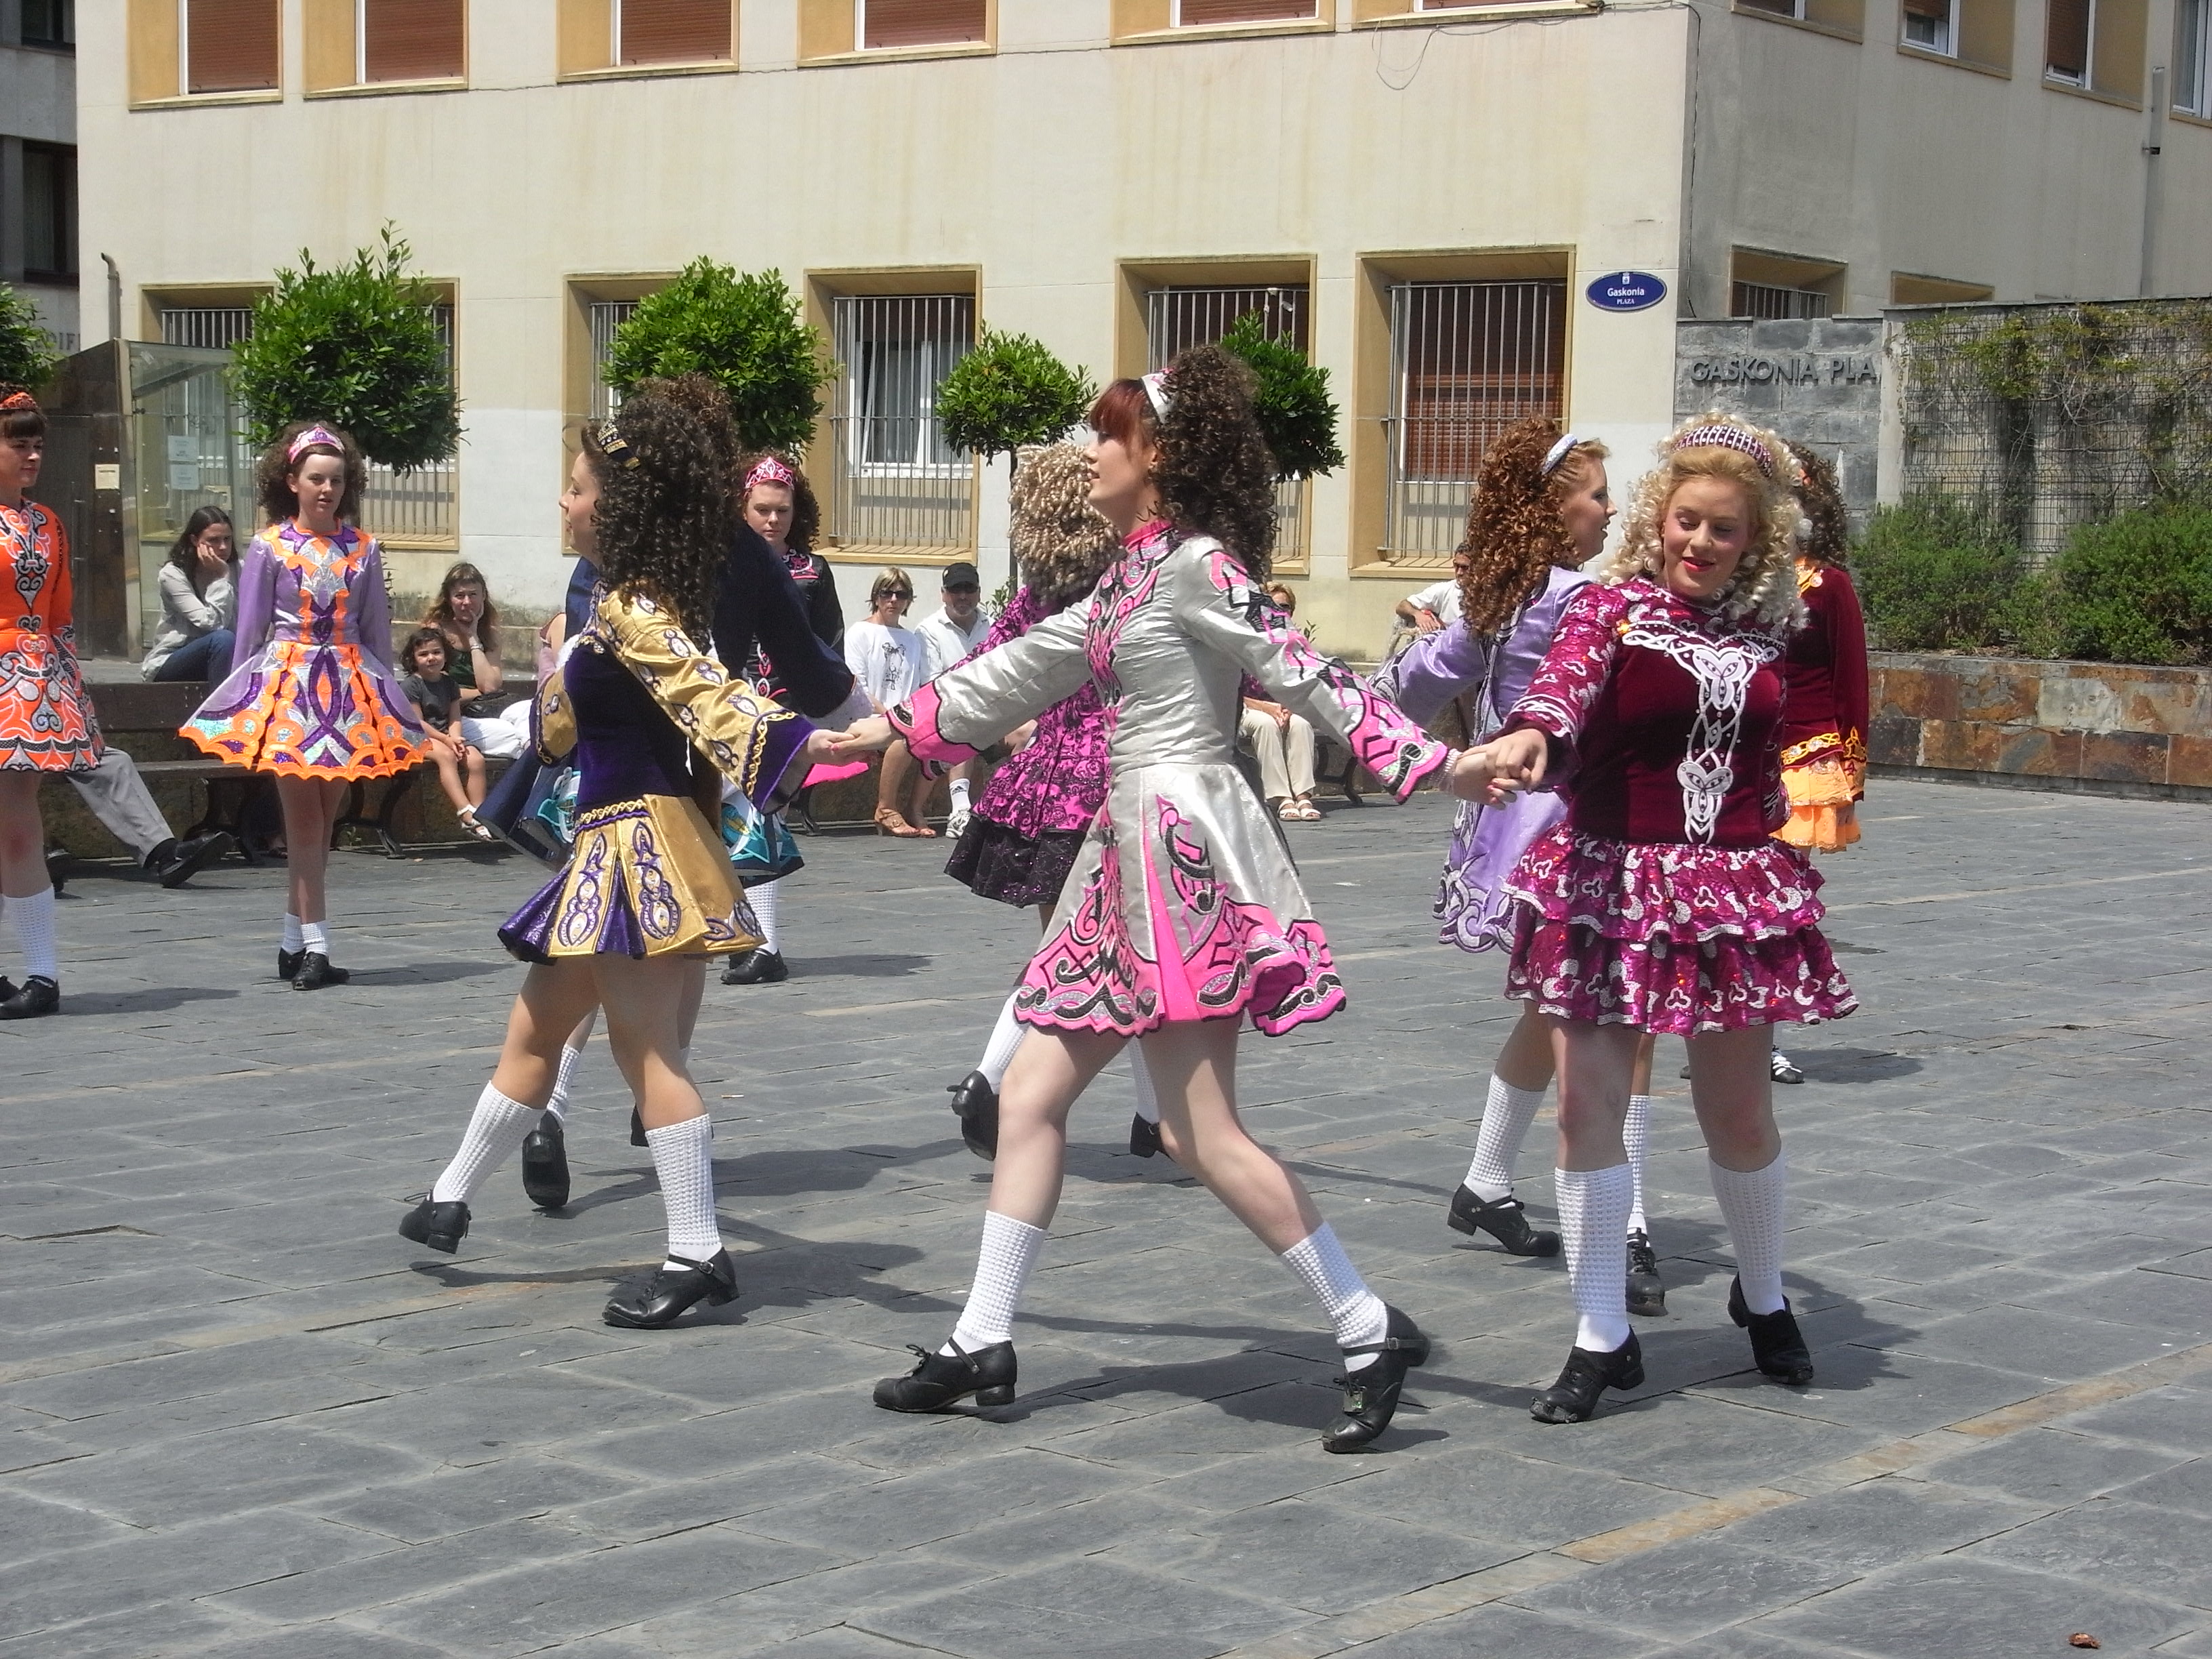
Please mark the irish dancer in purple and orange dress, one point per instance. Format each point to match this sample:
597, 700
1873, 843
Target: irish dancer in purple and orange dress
1182, 916
1662, 904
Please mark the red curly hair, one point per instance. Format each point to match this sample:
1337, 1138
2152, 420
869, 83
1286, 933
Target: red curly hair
1514, 533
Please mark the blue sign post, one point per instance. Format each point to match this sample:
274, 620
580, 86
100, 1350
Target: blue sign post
1626, 290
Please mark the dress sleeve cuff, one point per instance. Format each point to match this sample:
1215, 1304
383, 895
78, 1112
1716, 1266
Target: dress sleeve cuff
915, 720
1431, 756
780, 747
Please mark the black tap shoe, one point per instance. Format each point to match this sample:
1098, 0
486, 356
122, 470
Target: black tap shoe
760, 967
1503, 1219
1144, 1136
58, 864
38, 997
545, 1164
1776, 1342
637, 1128
1585, 1377
288, 961
941, 1380
658, 1301
976, 1104
179, 863
315, 972
438, 1226
1371, 1394
1647, 1291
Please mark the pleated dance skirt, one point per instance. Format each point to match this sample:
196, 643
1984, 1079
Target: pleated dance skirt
996, 862
647, 877
304, 710
1823, 805
46, 719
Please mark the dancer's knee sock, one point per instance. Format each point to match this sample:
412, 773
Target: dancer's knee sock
563, 1080
1751, 1203
1005, 1037
684, 1158
1148, 1100
1002, 1272
1506, 1120
295, 932
762, 899
1356, 1314
31, 916
1594, 1220
316, 936
498, 1127
1636, 1136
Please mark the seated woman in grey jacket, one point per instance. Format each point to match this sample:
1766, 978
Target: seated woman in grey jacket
199, 602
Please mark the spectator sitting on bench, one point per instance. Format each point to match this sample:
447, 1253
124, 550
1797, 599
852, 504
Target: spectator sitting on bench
460, 764
1283, 741
199, 602
466, 616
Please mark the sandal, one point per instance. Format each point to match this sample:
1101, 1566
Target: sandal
888, 822
467, 816
1307, 812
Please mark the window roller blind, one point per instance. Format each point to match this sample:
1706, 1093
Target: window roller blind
230, 45
675, 31
412, 40
1196, 14
891, 23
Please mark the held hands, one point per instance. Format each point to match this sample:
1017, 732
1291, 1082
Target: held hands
1494, 772
867, 737
821, 746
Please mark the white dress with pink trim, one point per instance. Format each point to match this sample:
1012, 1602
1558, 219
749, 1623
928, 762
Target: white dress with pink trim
1183, 903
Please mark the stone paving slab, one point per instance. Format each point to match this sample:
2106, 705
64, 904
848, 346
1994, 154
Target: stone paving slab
241, 1418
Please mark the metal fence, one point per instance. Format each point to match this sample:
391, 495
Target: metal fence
2047, 417
894, 481
1770, 303
1176, 319
1466, 361
605, 316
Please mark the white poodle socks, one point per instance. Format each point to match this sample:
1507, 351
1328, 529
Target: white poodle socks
1594, 1220
1003, 1266
295, 937
563, 1080
1005, 1037
497, 1127
684, 1158
31, 916
1141, 1077
1506, 1120
1752, 1203
1636, 1136
1357, 1314
762, 899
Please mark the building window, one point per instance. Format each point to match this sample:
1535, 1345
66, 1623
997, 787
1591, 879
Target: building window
50, 23
1466, 361
605, 316
1202, 13
1794, 8
216, 328
896, 482
885, 25
228, 46
1933, 25
2068, 40
1178, 318
410, 40
2192, 56
49, 213
671, 31
1770, 301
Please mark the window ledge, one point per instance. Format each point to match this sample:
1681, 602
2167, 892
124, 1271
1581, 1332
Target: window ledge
1421, 569
1927, 55
212, 99
932, 557
2116, 100
650, 71
2188, 118
902, 54
1468, 14
1833, 32
391, 89
1226, 32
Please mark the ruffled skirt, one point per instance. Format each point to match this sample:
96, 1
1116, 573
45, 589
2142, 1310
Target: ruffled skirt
46, 719
1472, 909
1183, 904
1672, 939
1823, 809
303, 710
647, 877
996, 862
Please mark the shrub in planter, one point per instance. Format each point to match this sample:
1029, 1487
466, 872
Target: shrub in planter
747, 332
1290, 401
1009, 392
2137, 588
1936, 574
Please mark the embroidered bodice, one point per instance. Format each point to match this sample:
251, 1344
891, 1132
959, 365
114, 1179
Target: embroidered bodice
34, 579
1825, 710
298, 588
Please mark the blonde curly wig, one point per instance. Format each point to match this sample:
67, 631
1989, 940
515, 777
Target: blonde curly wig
1764, 589
1063, 542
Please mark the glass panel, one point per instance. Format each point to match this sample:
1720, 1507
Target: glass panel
897, 482
2190, 60
189, 450
49, 22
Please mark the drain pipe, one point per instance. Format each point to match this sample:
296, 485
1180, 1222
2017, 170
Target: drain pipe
115, 297
2146, 285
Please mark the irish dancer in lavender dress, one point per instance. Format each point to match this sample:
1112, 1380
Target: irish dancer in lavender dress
647, 893
1182, 916
312, 696
1662, 904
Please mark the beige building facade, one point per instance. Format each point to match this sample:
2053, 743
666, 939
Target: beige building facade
1420, 196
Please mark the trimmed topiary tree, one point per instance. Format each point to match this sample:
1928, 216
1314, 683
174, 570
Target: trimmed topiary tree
356, 345
1009, 391
1297, 415
745, 332
27, 357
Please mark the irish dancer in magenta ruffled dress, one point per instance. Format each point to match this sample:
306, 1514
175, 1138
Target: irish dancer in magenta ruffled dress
1182, 916
1662, 904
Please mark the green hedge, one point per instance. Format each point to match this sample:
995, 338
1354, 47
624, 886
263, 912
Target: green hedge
2136, 588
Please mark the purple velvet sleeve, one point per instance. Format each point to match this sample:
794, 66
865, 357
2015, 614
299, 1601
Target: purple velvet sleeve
257, 604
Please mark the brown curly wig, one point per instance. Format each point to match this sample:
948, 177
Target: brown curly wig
1214, 471
664, 523
1514, 536
272, 473
1827, 534
806, 511
1064, 544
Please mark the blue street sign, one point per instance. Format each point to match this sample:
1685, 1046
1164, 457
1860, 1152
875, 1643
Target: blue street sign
1626, 290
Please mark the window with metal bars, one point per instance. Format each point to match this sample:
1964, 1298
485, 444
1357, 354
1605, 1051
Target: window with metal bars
214, 327
605, 316
896, 482
228, 46
410, 40
888, 24
671, 31
1466, 361
1202, 14
1768, 301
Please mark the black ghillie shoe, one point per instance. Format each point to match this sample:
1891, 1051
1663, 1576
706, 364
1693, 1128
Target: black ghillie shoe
545, 1164
1371, 1394
315, 972
38, 997
1776, 1342
1144, 1136
287, 962
439, 1226
58, 863
637, 1128
942, 1379
658, 1301
1585, 1376
184, 861
976, 1104
1647, 1291
1503, 1220
760, 967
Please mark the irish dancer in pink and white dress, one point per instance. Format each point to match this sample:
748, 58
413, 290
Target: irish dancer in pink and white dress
1663, 904
1182, 916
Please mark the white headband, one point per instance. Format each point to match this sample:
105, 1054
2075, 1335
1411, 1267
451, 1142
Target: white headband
1557, 452
1155, 388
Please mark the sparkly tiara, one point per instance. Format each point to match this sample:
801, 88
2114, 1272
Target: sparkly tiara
769, 471
612, 444
18, 400
314, 435
1716, 437
1557, 452
1155, 388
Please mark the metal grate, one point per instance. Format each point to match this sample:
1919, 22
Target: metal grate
896, 482
1771, 304
1466, 361
1176, 319
219, 327
607, 316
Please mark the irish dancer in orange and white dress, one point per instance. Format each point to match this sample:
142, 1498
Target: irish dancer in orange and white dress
312, 696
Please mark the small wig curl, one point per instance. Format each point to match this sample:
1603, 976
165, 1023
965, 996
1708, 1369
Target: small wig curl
665, 523
1064, 542
1214, 472
1825, 536
1515, 537
1764, 589
805, 510
272, 473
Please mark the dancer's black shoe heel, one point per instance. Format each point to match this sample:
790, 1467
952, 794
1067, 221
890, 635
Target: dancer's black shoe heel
976, 1104
315, 972
37, 997
1371, 1394
1144, 1136
439, 1226
637, 1128
1585, 1377
287, 962
1776, 1343
944, 1379
1503, 1219
545, 1164
658, 1301
1647, 1291
760, 967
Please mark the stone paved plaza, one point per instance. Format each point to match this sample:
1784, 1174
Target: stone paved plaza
243, 1417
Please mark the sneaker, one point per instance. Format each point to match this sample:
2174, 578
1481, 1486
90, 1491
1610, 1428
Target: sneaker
1785, 1069
958, 823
